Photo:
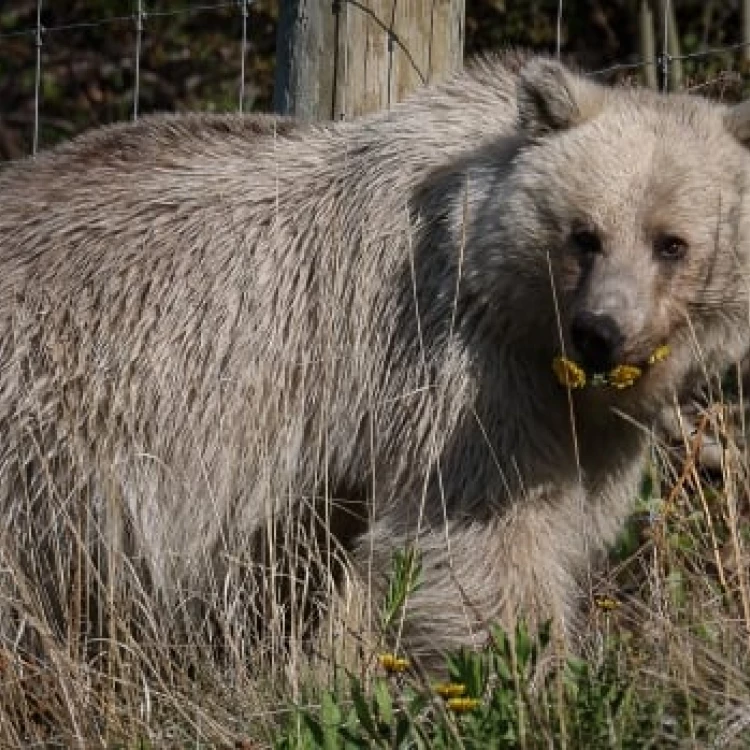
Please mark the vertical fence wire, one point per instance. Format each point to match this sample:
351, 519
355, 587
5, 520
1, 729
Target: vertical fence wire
663, 60
665, 57
391, 49
338, 108
140, 17
243, 51
37, 77
343, 59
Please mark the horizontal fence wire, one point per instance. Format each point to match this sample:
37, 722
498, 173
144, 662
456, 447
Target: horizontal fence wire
131, 18
137, 21
662, 61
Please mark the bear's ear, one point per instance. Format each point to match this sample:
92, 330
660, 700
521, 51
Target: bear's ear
737, 122
551, 97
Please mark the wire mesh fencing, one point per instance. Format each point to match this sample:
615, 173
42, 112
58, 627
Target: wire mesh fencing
67, 66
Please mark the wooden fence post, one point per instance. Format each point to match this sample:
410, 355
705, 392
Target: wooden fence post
342, 58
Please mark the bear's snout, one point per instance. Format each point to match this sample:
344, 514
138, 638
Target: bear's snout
598, 340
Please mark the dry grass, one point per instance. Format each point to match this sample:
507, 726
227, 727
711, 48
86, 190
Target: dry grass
673, 611
681, 574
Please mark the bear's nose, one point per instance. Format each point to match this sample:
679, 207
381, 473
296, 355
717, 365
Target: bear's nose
597, 339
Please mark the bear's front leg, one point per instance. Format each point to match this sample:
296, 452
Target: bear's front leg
528, 562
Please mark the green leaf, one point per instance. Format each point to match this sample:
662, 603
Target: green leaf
363, 709
330, 715
403, 724
315, 729
384, 702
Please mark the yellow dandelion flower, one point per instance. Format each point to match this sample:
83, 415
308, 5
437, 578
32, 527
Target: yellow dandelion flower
568, 372
393, 663
606, 603
462, 705
623, 376
659, 354
450, 689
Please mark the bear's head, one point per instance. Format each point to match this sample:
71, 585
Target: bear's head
633, 208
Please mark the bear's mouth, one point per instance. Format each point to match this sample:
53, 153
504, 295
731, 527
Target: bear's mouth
573, 376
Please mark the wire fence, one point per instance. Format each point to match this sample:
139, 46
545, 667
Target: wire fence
233, 19
125, 65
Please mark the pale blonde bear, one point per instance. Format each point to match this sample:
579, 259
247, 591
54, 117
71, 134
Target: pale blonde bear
241, 354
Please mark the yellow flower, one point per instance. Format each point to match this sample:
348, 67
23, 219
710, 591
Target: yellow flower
606, 603
462, 705
393, 663
659, 354
450, 689
571, 375
623, 376
568, 372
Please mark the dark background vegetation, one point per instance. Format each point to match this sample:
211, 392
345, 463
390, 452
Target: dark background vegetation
191, 53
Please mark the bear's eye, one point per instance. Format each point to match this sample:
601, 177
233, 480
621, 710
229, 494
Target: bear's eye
586, 241
670, 247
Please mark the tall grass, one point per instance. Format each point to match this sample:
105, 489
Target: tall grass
665, 661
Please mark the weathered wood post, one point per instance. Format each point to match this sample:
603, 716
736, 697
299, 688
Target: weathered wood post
342, 58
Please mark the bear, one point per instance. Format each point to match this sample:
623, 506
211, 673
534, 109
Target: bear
245, 360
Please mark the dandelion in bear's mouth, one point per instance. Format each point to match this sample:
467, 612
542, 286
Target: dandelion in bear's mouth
572, 375
392, 663
623, 376
462, 705
569, 373
449, 690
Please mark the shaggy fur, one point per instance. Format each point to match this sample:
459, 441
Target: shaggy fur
212, 325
